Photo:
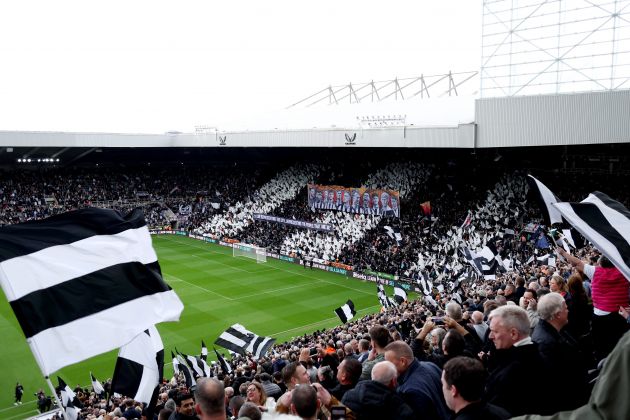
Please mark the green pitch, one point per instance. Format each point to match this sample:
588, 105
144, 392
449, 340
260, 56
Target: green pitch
277, 299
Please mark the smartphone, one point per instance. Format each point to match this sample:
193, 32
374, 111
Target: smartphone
438, 320
337, 412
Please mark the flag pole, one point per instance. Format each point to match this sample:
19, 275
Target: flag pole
54, 392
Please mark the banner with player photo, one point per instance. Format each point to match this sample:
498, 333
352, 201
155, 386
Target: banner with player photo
379, 202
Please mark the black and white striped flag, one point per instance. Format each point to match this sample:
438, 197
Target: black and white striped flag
83, 283
606, 223
179, 366
204, 351
400, 295
383, 299
225, 366
242, 341
97, 386
198, 366
140, 366
346, 312
393, 233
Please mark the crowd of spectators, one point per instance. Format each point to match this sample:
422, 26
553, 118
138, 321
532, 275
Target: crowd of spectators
476, 349
427, 358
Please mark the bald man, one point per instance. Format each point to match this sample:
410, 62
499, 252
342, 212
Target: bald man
419, 383
210, 399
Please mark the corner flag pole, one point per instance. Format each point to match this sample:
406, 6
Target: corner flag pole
54, 392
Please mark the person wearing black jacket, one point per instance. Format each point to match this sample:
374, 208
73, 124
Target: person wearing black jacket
561, 354
376, 399
462, 385
516, 366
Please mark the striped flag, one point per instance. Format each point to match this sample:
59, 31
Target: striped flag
385, 301
346, 312
179, 366
394, 233
199, 367
97, 386
242, 341
225, 366
83, 283
606, 223
204, 351
140, 366
400, 295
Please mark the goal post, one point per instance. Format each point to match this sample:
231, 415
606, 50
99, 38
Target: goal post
250, 251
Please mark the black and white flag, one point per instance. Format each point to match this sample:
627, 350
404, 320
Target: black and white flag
179, 366
394, 233
384, 300
225, 366
346, 312
242, 341
546, 199
604, 222
198, 366
140, 366
471, 258
83, 283
400, 295
67, 398
204, 351
551, 214
97, 386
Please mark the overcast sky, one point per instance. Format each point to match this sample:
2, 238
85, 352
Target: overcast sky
156, 66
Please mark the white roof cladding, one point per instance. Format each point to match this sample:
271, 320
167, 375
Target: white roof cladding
545, 120
459, 122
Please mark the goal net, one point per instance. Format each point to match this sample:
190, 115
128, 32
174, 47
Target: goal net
250, 251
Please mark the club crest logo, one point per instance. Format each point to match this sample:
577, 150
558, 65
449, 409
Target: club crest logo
222, 140
350, 140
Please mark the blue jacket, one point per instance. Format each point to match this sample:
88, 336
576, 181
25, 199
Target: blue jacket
421, 388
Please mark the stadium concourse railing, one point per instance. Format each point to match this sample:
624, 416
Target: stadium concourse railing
343, 269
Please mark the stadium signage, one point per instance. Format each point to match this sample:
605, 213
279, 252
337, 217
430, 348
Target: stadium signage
381, 275
297, 223
351, 139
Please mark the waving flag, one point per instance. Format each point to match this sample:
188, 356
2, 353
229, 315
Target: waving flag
606, 223
83, 283
240, 340
140, 366
346, 312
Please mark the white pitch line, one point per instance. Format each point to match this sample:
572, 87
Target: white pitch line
277, 290
271, 268
17, 406
321, 322
199, 287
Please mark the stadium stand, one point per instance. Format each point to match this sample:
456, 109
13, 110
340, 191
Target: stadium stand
219, 202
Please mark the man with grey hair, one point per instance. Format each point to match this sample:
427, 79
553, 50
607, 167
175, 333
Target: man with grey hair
516, 364
376, 398
479, 326
563, 358
210, 399
454, 311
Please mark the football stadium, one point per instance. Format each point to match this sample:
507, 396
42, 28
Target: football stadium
450, 245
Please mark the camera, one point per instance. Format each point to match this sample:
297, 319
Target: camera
438, 320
